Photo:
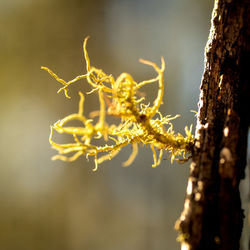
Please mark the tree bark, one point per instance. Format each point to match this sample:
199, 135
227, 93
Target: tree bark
212, 217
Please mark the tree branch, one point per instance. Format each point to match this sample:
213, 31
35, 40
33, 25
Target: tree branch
212, 217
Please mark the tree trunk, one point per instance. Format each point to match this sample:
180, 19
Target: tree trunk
212, 217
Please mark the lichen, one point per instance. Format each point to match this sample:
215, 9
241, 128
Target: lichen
140, 123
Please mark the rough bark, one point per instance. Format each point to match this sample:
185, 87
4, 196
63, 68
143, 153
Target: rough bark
212, 217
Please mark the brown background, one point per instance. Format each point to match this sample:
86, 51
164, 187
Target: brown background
47, 205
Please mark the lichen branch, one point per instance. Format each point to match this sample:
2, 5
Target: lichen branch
140, 124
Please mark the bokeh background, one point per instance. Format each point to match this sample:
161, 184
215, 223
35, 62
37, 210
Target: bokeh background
56, 205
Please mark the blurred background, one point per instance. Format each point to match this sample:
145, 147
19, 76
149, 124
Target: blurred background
56, 205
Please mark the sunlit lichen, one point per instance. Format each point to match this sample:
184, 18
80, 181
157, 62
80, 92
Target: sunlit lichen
140, 124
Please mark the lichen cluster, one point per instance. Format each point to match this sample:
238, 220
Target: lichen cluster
140, 123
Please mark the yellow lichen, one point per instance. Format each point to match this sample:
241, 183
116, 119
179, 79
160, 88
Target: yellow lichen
139, 123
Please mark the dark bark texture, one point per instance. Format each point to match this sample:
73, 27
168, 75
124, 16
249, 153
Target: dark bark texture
212, 217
